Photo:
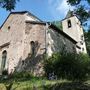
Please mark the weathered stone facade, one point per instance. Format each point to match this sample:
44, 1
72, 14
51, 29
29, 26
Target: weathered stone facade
26, 39
12, 32
75, 32
57, 42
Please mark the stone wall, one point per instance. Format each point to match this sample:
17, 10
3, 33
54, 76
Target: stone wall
12, 32
16, 36
75, 32
45, 39
56, 42
35, 33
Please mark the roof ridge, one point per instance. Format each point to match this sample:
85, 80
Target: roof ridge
19, 12
23, 12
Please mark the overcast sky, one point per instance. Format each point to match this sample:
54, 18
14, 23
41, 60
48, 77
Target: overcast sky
46, 10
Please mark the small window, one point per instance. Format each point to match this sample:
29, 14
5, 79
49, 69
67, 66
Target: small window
4, 58
32, 47
69, 23
9, 27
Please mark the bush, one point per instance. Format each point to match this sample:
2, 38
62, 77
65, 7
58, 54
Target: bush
24, 75
5, 72
68, 66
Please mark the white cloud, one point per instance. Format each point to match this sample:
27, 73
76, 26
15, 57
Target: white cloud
52, 5
59, 8
63, 7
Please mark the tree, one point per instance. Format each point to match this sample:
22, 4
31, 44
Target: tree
76, 2
70, 66
87, 39
8, 4
82, 9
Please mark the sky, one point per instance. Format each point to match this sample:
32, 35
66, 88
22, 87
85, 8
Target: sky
46, 10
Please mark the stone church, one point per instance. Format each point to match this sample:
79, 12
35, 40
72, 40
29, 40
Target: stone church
24, 39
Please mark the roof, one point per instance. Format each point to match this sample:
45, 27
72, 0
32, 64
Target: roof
20, 12
23, 12
63, 33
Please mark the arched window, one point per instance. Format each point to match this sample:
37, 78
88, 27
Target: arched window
32, 47
69, 23
4, 58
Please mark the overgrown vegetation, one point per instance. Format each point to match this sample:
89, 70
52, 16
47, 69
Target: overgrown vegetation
87, 39
69, 66
13, 80
81, 9
64, 70
35, 83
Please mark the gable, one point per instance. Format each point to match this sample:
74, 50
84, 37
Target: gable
27, 16
12, 18
31, 17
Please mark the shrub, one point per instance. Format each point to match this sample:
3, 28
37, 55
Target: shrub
4, 75
5, 72
68, 66
49, 63
24, 74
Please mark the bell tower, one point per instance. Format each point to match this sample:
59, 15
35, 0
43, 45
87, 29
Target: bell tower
72, 26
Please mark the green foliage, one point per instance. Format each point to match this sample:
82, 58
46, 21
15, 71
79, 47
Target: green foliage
8, 4
23, 75
87, 39
58, 24
74, 2
49, 63
5, 72
82, 14
88, 1
81, 9
68, 66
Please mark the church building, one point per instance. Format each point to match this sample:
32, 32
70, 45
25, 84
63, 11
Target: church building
25, 39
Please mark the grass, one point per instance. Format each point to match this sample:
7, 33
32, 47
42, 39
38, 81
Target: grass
30, 84
35, 83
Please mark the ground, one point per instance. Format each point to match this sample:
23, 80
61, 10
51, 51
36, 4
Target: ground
44, 84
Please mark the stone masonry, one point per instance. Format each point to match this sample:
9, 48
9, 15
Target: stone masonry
26, 39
